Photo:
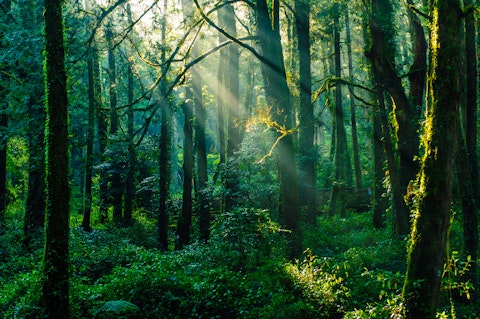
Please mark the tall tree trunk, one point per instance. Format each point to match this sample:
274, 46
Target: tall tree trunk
165, 149
201, 151
343, 172
306, 149
185, 219
90, 132
3, 161
6, 7
417, 74
381, 55
35, 204
55, 271
278, 98
116, 185
222, 90
470, 213
429, 236
353, 119
234, 114
469, 208
130, 178
102, 132
400, 223
380, 203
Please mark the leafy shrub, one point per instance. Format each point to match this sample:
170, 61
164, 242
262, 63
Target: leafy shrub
96, 253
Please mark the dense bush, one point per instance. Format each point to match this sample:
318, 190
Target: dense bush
351, 271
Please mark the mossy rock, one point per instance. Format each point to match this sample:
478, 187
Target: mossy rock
117, 309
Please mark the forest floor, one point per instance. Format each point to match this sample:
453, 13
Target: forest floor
350, 270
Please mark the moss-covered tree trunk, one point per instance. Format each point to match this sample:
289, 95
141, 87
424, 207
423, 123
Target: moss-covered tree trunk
35, 203
165, 149
469, 208
185, 219
353, 117
116, 189
6, 7
3, 165
278, 99
132, 160
306, 149
222, 74
203, 206
55, 265
429, 236
234, 113
470, 215
380, 202
381, 54
102, 133
87, 211
130, 178
343, 168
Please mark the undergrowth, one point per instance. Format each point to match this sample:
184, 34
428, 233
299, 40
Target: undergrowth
349, 271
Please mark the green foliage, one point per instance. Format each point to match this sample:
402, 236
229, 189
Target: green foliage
17, 164
352, 271
245, 237
117, 309
325, 289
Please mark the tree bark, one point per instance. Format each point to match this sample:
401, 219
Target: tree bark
380, 203
472, 195
132, 161
343, 172
306, 149
201, 152
165, 149
429, 236
6, 7
469, 208
401, 226
353, 118
278, 99
90, 133
185, 219
234, 114
3, 163
55, 271
102, 132
35, 204
381, 55
116, 190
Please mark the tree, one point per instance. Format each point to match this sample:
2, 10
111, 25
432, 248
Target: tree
353, 118
130, 178
55, 270
470, 211
90, 135
185, 218
200, 149
102, 133
278, 99
343, 171
6, 7
381, 53
165, 146
232, 110
429, 235
306, 150
116, 189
